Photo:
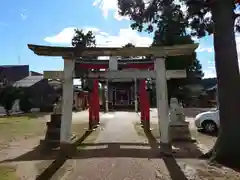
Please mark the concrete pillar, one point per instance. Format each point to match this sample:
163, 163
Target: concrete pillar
162, 101
135, 95
67, 99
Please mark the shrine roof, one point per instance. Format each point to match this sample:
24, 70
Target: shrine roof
74, 52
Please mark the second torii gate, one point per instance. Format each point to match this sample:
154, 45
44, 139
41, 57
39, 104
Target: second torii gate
131, 71
70, 54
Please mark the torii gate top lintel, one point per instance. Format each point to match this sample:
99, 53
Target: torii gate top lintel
75, 52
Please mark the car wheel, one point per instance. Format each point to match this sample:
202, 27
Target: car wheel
209, 126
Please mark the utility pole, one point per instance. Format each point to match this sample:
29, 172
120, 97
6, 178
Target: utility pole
19, 60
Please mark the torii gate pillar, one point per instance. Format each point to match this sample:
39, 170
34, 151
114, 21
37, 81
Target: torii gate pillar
67, 101
162, 105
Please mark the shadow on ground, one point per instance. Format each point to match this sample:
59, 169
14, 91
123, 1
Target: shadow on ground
184, 149
148, 150
174, 169
60, 159
110, 150
94, 150
183, 143
41, 153
213, 134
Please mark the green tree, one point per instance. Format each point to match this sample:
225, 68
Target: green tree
128, 45
222, 24
8, 96
81, 39
171, 30
25, 104
205, 17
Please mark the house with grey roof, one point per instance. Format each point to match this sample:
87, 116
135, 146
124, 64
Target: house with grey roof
41, 93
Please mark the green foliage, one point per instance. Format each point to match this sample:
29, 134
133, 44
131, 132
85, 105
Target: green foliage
25, 103
197, 17
169, 24
129, 45
203, 17
83, 39
146, 16
199, 12
8, 96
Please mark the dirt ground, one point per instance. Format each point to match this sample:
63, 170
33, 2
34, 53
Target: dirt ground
118, 150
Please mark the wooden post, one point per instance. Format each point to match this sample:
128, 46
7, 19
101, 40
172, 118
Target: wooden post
162, 104
66, 121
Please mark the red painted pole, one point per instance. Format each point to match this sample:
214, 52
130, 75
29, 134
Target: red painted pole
97, 109
147, 110
142, 99
146, 105
90, 110
94, 101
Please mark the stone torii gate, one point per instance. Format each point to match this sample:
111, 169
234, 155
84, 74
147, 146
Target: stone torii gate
70, 54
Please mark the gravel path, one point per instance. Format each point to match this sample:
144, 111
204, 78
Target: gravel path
118, 130
116, 159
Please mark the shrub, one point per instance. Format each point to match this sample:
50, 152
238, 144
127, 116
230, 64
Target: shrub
8, 96
25, 104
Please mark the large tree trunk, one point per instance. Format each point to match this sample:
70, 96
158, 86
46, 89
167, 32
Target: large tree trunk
227, 147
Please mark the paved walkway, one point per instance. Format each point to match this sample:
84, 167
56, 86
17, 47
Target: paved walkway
117, 159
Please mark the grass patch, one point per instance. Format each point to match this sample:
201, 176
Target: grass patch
8, 173
22, 127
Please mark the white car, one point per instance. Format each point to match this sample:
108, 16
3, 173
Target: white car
208, 121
